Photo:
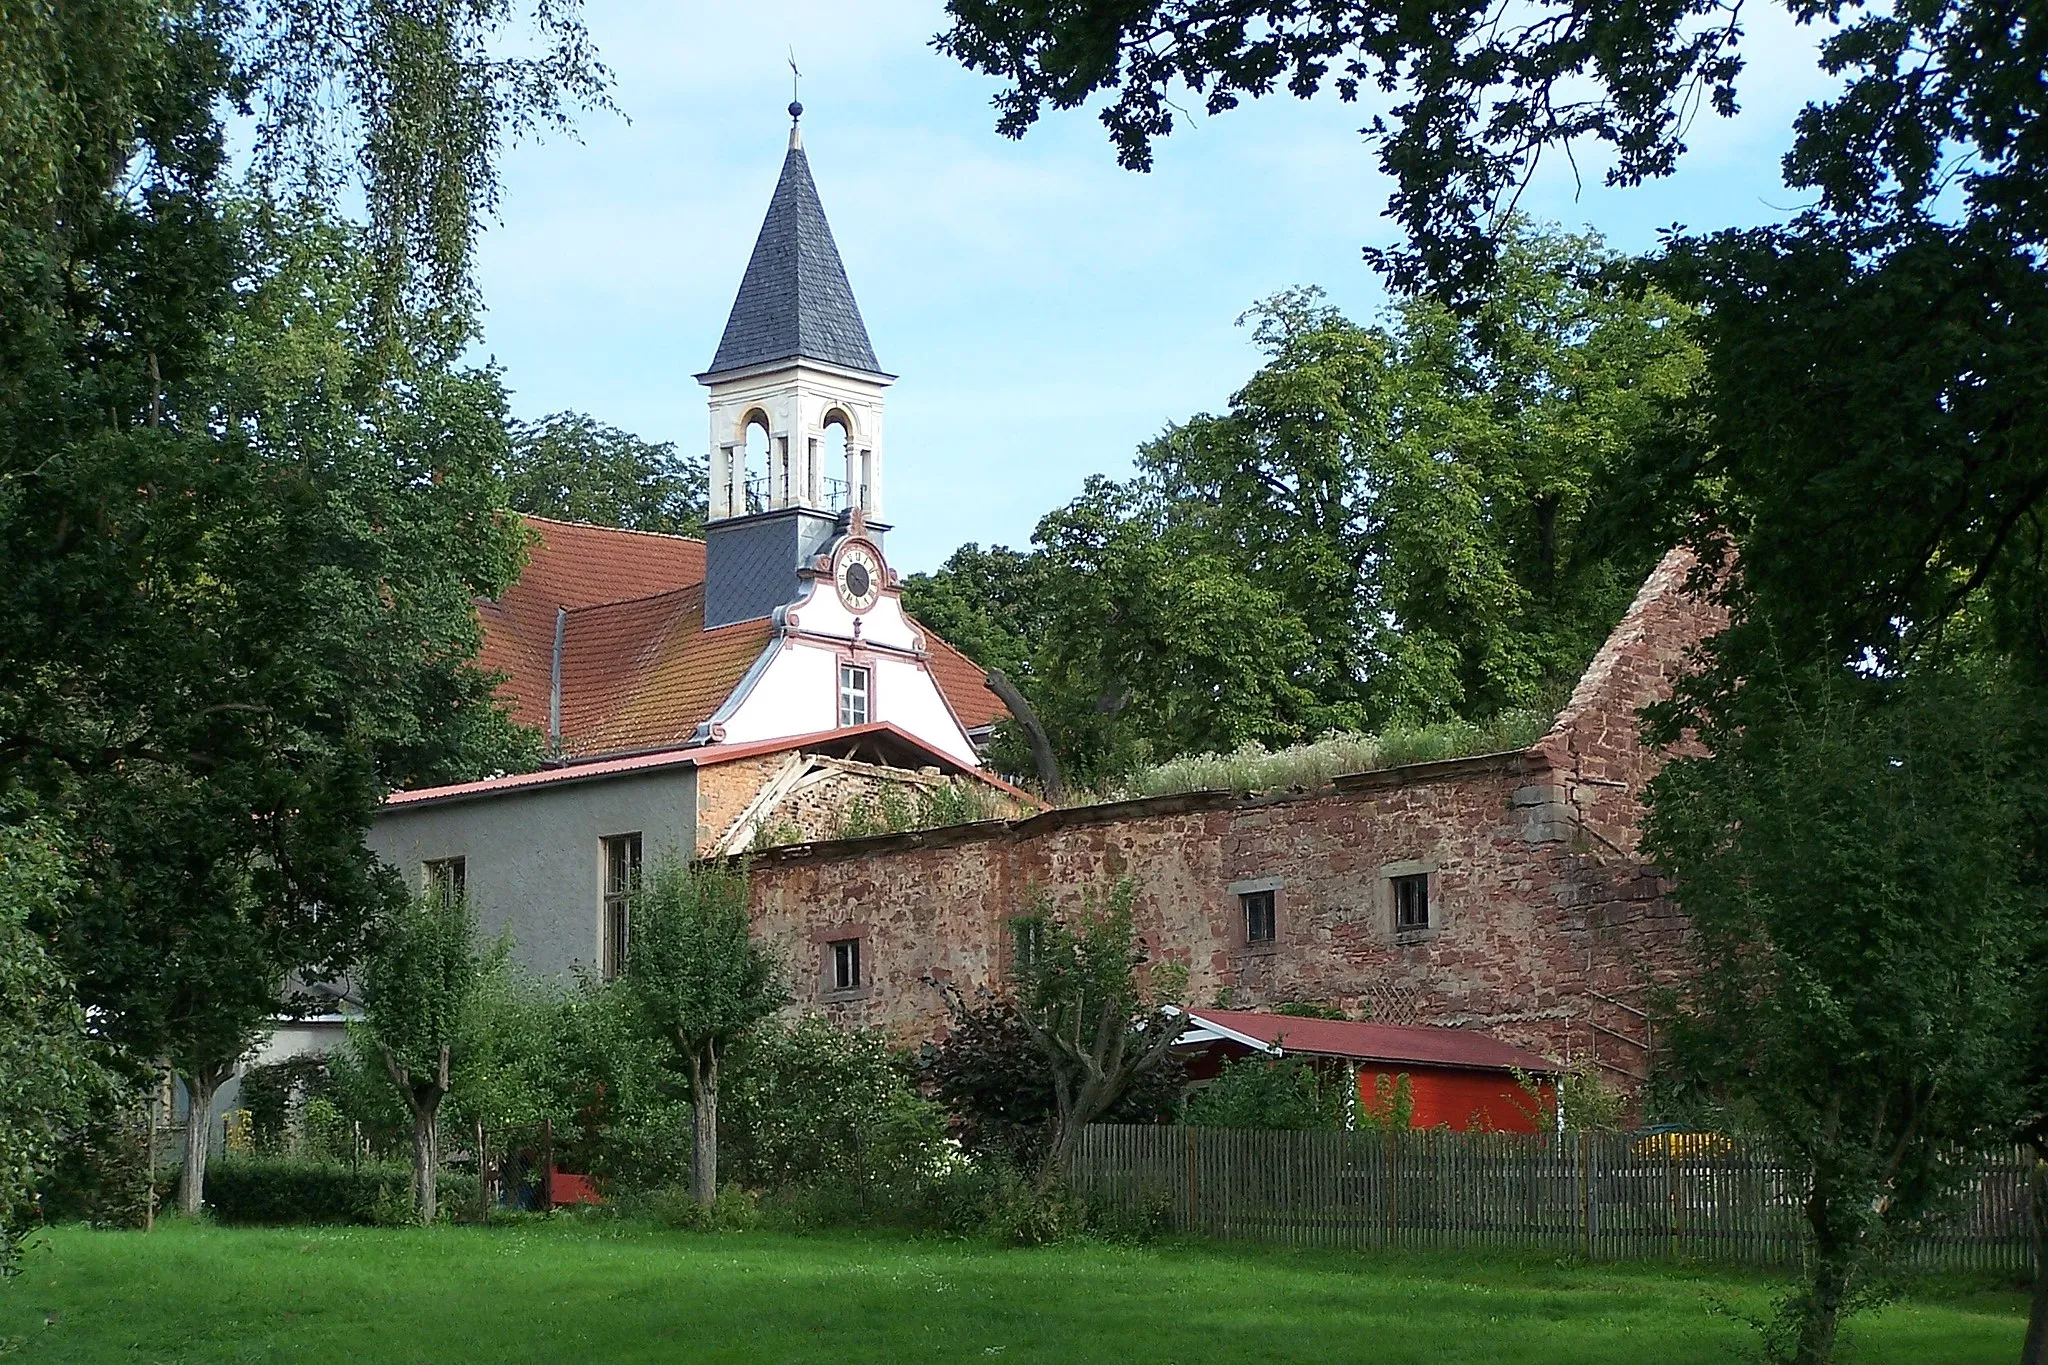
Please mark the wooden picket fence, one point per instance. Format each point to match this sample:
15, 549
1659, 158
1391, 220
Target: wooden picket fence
1603, 1196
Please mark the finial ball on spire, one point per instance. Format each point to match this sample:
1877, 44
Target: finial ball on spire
796, 110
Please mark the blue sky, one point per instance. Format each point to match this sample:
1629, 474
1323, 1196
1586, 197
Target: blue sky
1045, 310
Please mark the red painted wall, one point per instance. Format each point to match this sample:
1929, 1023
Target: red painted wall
1465, 1101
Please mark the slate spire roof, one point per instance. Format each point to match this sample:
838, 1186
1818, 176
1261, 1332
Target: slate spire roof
794, 299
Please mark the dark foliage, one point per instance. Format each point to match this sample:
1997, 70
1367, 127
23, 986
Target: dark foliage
995, 1085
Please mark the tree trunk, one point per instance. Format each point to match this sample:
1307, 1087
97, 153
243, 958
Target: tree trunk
704, 1126
199, 1091
2035, 1351
1822, 1319
1050, 782
426, 1160
423, 1098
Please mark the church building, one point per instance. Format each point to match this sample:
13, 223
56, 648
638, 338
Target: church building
784, 620
704, 697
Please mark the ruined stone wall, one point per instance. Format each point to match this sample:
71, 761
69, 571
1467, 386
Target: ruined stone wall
1532, 926
1547, 930
1595, 745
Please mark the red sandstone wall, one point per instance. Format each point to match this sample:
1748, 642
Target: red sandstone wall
1549, 932
1595, 744
1530, 925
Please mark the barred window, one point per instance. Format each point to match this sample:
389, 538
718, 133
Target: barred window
1411, 903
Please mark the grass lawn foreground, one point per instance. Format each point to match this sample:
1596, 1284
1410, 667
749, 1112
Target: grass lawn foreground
592, 1290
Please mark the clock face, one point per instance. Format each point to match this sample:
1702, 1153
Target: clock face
859, 577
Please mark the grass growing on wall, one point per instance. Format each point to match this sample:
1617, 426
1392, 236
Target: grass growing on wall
1254, 768
610, 1290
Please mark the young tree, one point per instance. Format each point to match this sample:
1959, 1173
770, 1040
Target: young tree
1099, 1026
47, 1071
1852, 860
699, 982
421, 986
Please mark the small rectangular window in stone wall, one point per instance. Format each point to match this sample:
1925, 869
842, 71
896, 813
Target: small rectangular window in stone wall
842, 968
1411, 903
1260, 924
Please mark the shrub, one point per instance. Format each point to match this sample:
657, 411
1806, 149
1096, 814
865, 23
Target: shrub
811, 1105
1270, 1092
270, 1092
101, 1175
280, 1190
734, 1210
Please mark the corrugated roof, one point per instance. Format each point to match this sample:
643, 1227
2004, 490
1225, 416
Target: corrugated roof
1366, 1042
794, 299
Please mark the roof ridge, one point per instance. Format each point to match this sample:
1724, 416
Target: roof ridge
621, 530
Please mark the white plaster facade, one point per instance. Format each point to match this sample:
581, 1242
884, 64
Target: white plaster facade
794, 689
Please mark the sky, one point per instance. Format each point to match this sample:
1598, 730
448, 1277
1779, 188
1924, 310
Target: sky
1046, 311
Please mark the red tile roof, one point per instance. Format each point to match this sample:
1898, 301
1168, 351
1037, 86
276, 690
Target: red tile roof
705, 756
1364, 1042
960, 681
639, 671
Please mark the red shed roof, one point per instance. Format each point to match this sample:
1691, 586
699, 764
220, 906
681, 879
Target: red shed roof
1415, 1046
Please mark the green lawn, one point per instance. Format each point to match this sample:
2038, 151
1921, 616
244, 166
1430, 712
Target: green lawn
590, 1291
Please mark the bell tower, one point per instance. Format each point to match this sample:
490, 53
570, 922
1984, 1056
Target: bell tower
796, 381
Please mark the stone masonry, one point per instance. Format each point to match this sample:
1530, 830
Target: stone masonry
1545, 927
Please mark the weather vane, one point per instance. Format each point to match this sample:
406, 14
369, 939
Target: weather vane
796, 110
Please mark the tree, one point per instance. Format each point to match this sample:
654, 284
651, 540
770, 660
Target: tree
574, 467
1098, 1026
246, 489
1852, 859
421, 987
1431, 518
699, 982
48, 1073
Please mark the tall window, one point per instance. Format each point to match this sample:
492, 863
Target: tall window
844, 968
1258, 916
621, 884
1411, 903
1028, 935
853, 695
447, 880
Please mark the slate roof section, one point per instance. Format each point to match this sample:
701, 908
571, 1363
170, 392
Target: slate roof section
794, 299
1463, 1049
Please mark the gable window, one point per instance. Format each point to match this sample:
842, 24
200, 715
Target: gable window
1411, 903
447, 880
621, 858
843, 964
1258, 916
853, 695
